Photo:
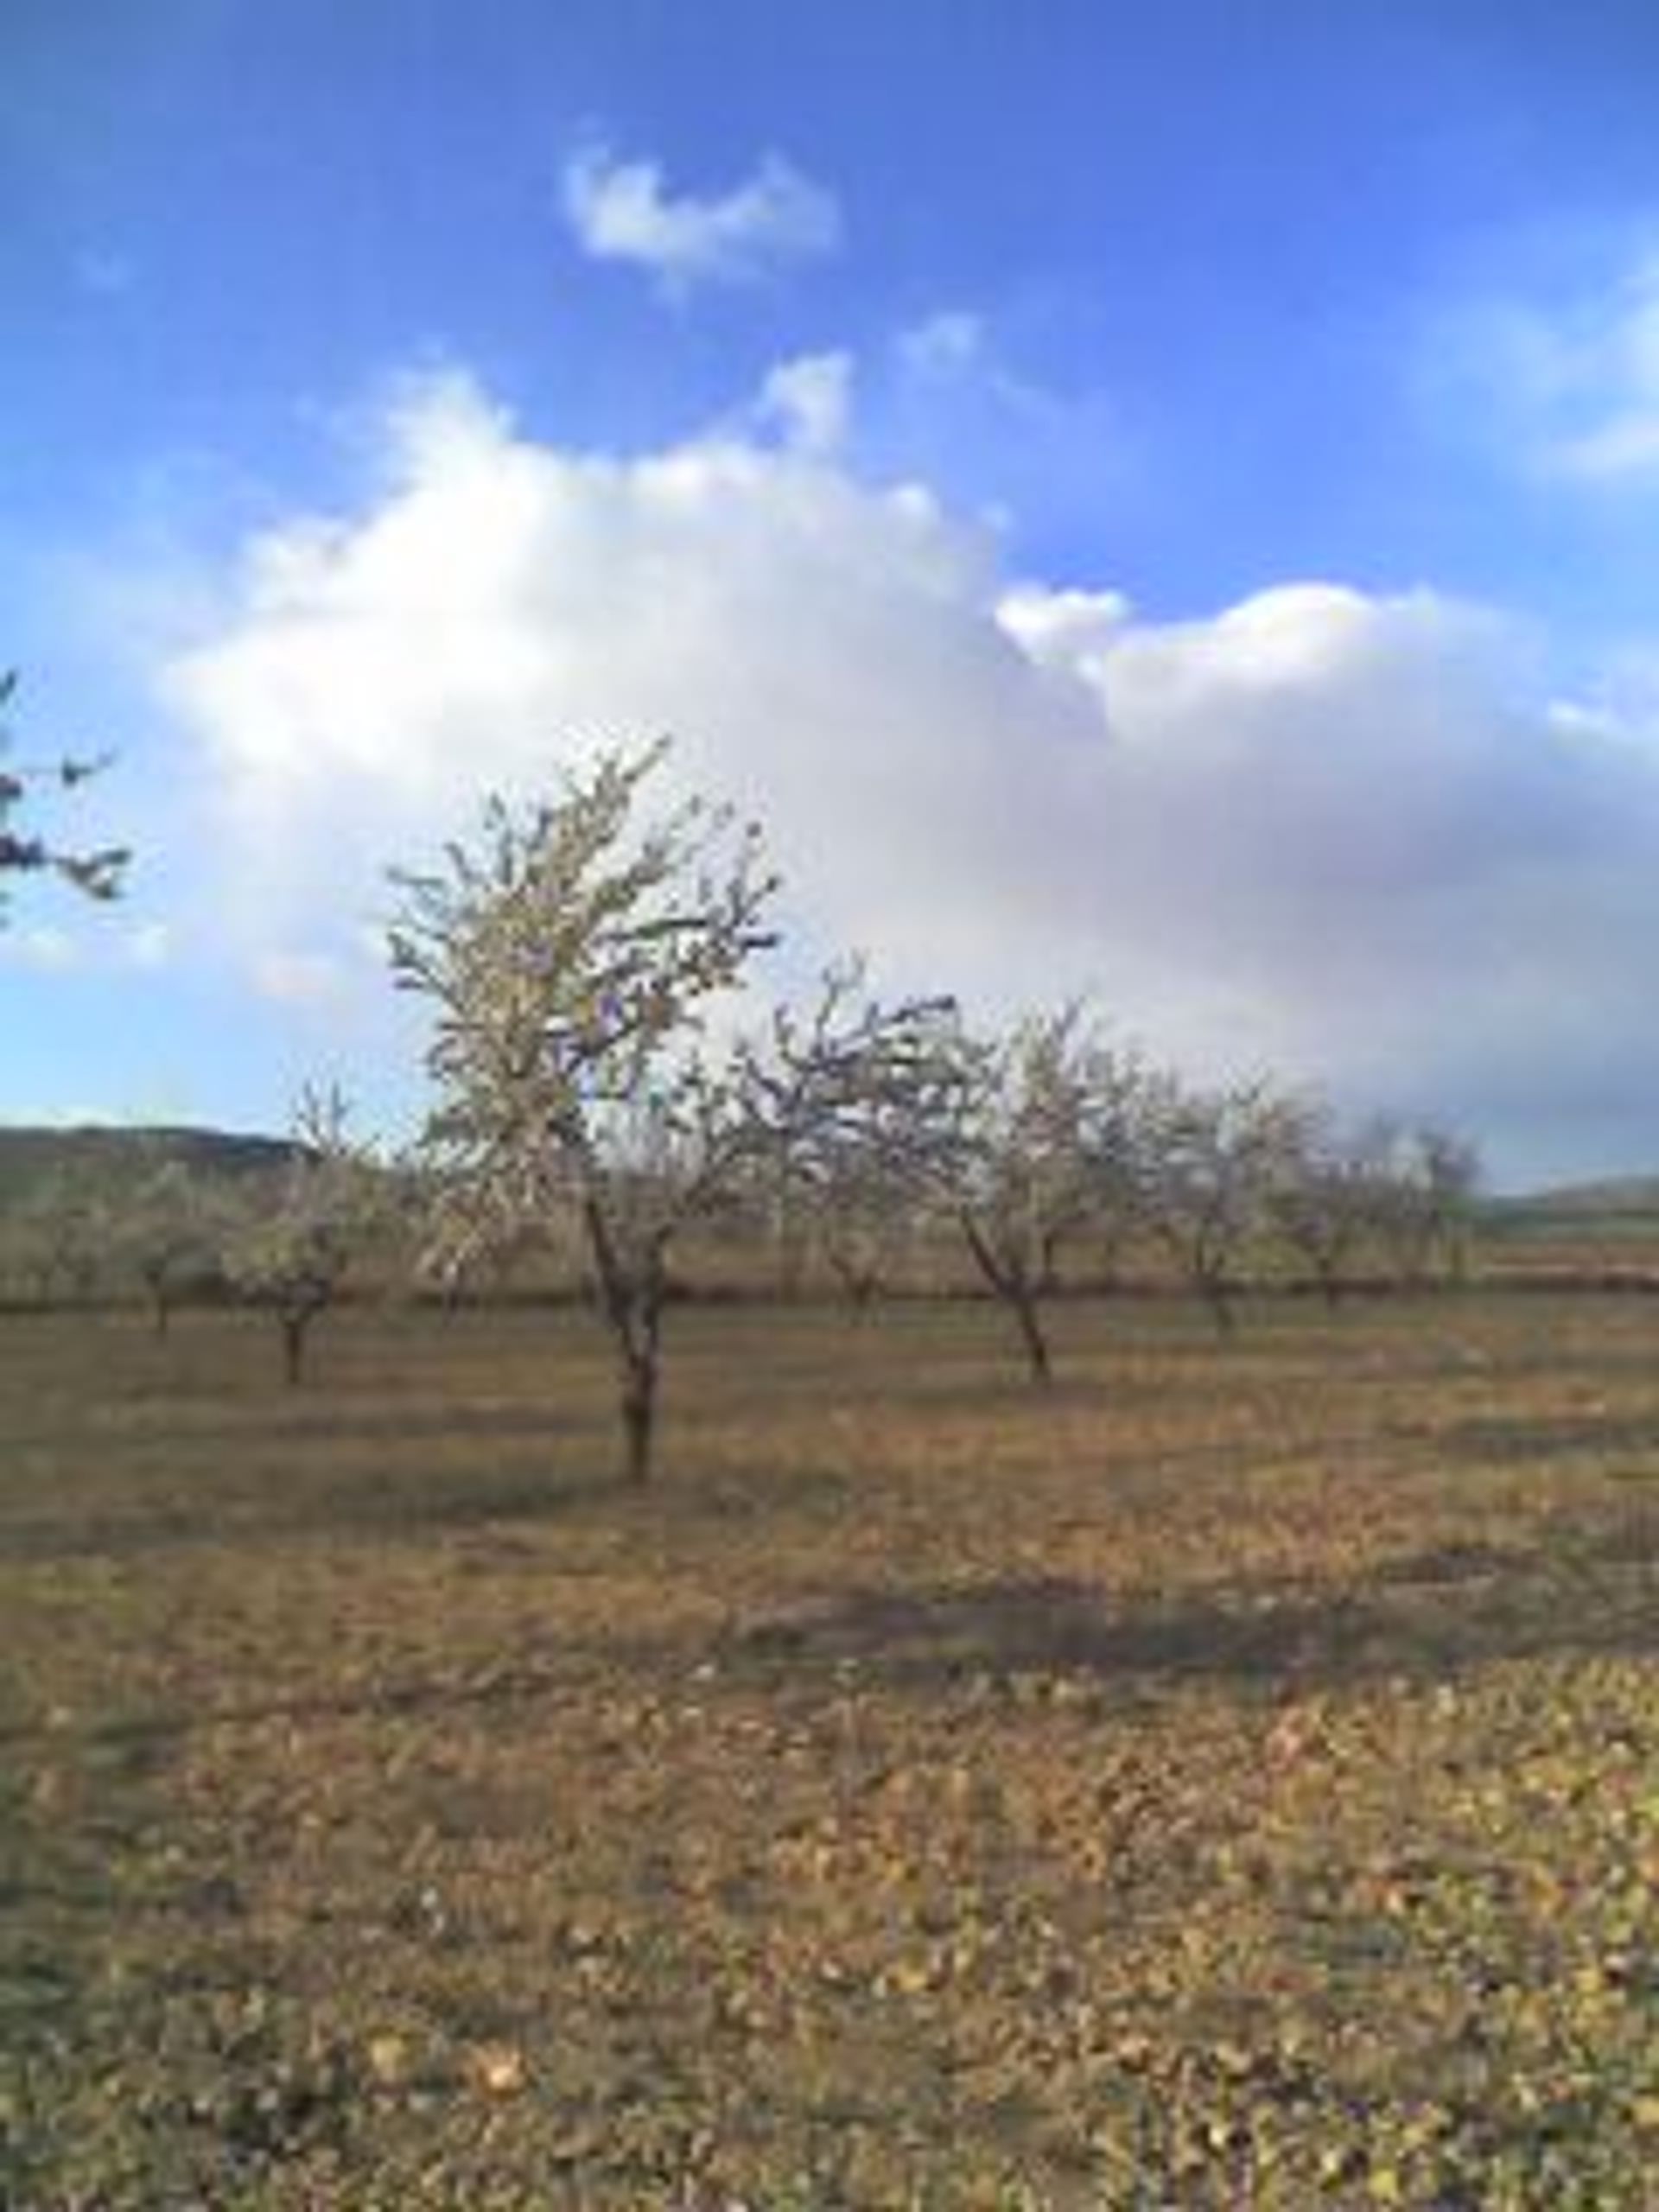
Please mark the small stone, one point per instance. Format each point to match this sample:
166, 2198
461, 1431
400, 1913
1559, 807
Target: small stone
499, 2068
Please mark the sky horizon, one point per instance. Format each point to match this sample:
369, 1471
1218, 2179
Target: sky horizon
1160, 505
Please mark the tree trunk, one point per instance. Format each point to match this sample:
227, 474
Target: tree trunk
1219, 1300
859, 1282
1016, 1290
639, 1413
294, 1328
1029, 1317
631, 1299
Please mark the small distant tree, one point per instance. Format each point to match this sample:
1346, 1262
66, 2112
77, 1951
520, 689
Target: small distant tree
98, 873
1012, 1157
1213, 1161
1119, 1089
1424, 1202
846, 1098
59, 1234
293, 1247
1326, 1198
577, 960
170, 1230
865, 1221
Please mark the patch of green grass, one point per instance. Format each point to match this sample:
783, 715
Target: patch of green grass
1231, 1779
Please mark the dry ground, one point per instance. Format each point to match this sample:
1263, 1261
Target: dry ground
1232, 1781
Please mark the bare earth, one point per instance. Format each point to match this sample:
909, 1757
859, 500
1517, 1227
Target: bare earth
1232, 1780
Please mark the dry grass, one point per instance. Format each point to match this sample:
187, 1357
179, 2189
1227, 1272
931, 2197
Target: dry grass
1231, 1780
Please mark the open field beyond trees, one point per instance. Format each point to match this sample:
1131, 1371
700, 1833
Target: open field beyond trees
1228, 1779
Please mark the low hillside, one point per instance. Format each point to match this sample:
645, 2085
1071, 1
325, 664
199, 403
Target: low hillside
1617, 1209
112, 1156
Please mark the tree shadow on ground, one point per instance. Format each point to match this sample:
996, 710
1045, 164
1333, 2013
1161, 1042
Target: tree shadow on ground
1426, 1616
353, 1505
349, 1509
1508, 1440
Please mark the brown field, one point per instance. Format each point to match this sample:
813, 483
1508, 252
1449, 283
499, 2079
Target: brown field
1232, 1780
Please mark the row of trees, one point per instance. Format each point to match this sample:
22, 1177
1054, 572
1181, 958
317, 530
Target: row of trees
587, 965
281, 1238
576, 962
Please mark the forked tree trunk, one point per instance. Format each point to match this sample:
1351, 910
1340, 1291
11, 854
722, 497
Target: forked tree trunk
1017, 1292
1029, 1316
859, 1280
631, 1300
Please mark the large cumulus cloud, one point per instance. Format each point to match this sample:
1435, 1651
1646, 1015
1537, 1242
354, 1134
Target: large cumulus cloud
1342, 833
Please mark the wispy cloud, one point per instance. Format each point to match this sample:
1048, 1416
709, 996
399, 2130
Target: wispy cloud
149, 945
299, 978
46, 951
622, 210
943, 345
1566, 375
1001, 416
809, 400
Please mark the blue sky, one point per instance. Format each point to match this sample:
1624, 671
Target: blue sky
1155, 501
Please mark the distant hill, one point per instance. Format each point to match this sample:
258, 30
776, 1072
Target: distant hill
117, 1156
1613, 1207
1613, 1194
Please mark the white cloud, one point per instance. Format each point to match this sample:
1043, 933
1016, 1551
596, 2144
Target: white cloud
1569, 379
149, 945
809, 400
48, 950
1323, 830
1625, 448
299, 978
1608, 377
978, 407
943, 346
622, 211
1066, 629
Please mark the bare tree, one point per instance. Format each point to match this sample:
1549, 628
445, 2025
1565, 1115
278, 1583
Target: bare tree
1213, 1161
1119, 1091
291, 1253
848, 1099
170, 1229
865, 1223
1012, 1157
99, 873
58, 1233
1425, 1200
1328, 1194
